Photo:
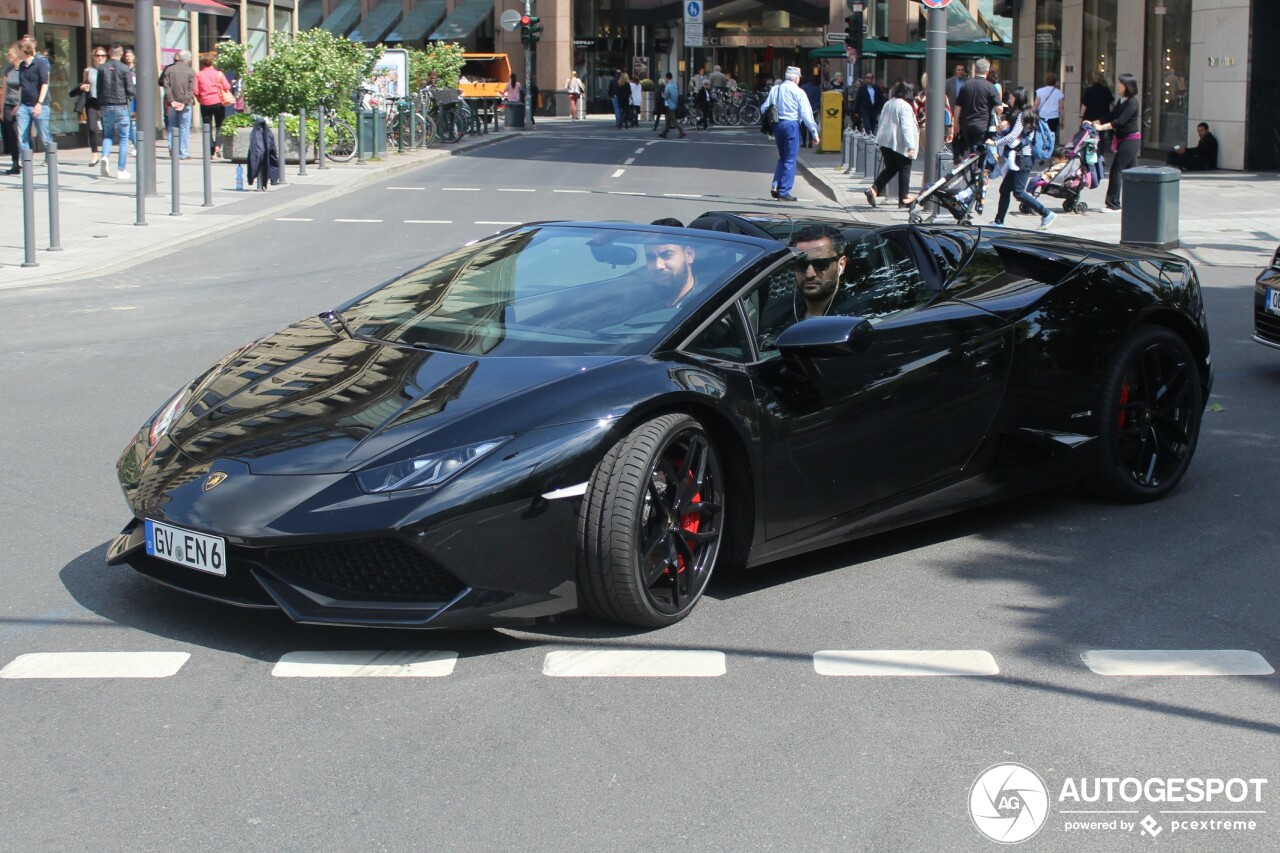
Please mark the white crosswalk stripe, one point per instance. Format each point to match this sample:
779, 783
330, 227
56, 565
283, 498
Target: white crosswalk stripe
904, 662
95, 665
366, 664
634, 663
1176, 662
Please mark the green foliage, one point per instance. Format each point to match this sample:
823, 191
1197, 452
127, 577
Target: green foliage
232, 57
646, 85
314, 69
444, 58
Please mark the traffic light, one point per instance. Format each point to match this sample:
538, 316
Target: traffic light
535, 28
526, 32
853, 31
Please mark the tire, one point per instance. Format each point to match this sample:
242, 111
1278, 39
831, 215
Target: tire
720, 114
749, 115
449, 126
1081, 207
339, 142
1149, 417
1023, 207
646, 544
428, 130
1068, 206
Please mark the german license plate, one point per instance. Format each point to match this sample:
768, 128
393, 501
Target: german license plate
1272, 301
187, 548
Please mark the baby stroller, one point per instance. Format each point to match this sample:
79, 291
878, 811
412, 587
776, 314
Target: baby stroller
1074, 169
954, 191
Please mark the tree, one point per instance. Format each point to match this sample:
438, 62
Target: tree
444, 58
314, 69
232, 57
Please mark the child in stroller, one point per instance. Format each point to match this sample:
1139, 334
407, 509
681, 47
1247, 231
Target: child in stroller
1074, 168
956, 191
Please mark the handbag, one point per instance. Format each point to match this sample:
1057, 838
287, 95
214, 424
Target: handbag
768, 119
228, 99
81, 97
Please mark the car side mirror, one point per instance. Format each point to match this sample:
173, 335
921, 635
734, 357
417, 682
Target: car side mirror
825, 337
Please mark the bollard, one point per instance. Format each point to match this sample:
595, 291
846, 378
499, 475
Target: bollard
280, 141
206, 136
28, 210
401, 108
302, 142
360, 122
859, 152
140, 213
413, 123
320, 138
846, 150
175, 183
868, 162
55, 219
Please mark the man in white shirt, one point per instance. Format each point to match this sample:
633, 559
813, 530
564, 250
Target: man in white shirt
793, 108
1049, 102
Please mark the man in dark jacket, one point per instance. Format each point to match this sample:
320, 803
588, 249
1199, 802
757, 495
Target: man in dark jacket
1202, 158
179, 82
115, 91
868, 103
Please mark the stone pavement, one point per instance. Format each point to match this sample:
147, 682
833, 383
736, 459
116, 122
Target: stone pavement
1226, 218
98, 234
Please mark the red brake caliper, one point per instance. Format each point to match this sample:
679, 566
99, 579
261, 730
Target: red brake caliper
689, 522
1124, 401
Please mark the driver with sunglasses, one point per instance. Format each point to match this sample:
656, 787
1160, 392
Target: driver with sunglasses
818, 270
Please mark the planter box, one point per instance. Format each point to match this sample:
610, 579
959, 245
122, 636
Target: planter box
236, 149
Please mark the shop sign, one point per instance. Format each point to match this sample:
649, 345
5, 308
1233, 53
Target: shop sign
761, 41
66, 12
13, 9
112, 17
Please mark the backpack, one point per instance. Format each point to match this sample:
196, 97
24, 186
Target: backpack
1044, 142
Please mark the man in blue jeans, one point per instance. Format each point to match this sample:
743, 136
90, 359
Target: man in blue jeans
178, 82
115, 90
33, 102
793, 108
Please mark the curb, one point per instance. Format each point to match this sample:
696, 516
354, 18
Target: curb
223, 228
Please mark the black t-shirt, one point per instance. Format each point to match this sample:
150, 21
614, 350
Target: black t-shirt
33, 75
976, 101
1125, 117
1097, 103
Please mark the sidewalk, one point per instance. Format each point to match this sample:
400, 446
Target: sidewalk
98, 234
1226, 218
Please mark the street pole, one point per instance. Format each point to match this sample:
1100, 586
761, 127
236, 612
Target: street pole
935, 115
528, 67
145, 63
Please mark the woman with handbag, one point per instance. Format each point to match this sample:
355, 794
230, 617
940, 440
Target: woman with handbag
213, 93
898, 135
89, 106
12, 94
1126, 121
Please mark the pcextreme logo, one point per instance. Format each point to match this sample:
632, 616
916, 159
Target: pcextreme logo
1010, 803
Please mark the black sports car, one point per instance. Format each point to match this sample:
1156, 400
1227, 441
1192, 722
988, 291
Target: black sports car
1266, 305
593, 416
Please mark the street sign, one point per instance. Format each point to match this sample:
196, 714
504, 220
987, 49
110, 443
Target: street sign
693, 23
510, 20
832, 38
936, 4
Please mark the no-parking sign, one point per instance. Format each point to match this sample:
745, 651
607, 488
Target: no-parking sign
936, 4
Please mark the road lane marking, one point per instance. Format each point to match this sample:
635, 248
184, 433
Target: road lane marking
494, 222
516, 190
428, 221
639, 150
293, 219
459, 189
95, 665
618, 174
634, 663
358, 220
682, 195
406, 188
572, 191
624, 192
904, 662
628, 161
399, 663
1176, 662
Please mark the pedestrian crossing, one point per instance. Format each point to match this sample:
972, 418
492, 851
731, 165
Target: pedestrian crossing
644, 663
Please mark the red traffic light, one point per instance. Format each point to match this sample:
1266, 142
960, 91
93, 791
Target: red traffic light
524, 20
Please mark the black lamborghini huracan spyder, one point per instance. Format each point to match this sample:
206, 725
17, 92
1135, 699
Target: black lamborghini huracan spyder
594, 416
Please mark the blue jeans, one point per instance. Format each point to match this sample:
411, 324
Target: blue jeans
179, 122
617, 110
26, 115
1015, 183
115, 128
787, 136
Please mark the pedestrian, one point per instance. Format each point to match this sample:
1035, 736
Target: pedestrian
612, 92
115, 91
955, 84
533, 103
1202, 158
1095, 103
793, 108
178, 82
670, 103
624, 100
12, 95
718, 78
899, 139
92, 108
922, 111
1125, 120
975, 113
812, 89
868, 103
731, 82
1048, 104
1015, 146
574, 87
33, 99
702, 102
128, 60
637, 96
210, 86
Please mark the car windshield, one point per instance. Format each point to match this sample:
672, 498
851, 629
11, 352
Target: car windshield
552, 290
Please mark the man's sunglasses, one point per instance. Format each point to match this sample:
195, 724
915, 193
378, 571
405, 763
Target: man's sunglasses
819, 264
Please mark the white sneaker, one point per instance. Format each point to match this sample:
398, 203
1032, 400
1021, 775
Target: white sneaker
122, 175
106, 170
1048, 218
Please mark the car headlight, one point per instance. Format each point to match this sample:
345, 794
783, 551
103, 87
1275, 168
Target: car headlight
422, 472
164, 418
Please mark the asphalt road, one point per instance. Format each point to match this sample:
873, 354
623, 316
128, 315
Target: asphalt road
769, 755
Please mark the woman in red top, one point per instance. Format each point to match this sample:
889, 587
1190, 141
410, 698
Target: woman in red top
210, 86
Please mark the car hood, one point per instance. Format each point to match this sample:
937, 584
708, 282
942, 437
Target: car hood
309, 401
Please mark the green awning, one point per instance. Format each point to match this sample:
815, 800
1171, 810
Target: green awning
421, 20
873, 47
343, 18
985, 49
464, 18
379, 20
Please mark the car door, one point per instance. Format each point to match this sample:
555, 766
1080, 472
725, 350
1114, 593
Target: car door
847, 434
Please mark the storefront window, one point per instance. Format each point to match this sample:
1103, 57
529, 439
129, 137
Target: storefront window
9, 32
256, 20
1099, 40
175, 35
1048, 41
62, 46
1164, 91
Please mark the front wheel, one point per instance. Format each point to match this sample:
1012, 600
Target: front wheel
339, 141
1149, 417
749, 115
651, 523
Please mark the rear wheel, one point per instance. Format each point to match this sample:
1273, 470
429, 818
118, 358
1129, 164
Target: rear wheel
1023, 207
749, 115
1149, 418
651, 524
339, 141
1081, 206
1068, 206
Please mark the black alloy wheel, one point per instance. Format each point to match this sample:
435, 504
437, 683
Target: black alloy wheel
1150, 416
651, 524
